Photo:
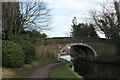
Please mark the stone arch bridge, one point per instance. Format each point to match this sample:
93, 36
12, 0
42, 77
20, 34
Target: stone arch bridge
99, 50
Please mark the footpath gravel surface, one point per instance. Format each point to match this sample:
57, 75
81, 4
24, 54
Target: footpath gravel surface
43, 72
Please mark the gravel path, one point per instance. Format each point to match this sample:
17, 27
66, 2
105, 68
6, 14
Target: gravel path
42, 72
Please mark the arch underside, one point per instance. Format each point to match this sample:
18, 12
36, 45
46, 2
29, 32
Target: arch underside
82, 50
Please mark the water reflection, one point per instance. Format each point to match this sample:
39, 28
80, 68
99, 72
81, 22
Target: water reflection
96, 70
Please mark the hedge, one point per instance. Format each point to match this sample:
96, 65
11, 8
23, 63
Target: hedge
29, 50
12, 54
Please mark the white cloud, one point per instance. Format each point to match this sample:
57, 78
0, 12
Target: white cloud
63, 12
70, 4
106, 0
61, 25
59, 32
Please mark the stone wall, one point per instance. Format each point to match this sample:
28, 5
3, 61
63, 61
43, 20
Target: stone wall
106, 50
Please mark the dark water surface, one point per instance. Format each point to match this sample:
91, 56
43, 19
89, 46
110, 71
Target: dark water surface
96, 71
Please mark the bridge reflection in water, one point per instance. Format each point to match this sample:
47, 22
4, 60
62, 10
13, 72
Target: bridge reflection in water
91, 70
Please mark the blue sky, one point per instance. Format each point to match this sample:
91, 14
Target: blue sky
63, 12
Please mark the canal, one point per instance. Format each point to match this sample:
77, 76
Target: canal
96, 71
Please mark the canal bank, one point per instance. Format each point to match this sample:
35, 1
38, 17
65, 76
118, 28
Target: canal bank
64, 71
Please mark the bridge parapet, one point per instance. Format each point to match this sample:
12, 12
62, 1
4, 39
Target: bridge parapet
106, 50
62, 40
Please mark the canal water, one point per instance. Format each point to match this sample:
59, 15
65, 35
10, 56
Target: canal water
96, 71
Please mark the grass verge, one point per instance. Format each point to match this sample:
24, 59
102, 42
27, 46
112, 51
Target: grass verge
63, 71
26, 68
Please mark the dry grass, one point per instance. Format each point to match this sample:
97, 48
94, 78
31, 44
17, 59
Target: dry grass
25, 69
6, 73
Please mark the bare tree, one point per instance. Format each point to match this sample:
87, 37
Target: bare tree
10, 17
18, 16
34, 15
108, 20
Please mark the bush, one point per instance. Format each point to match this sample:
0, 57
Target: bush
29, 50
15, 39
12, 54
27, 46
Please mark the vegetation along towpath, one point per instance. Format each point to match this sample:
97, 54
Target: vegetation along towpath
42, 72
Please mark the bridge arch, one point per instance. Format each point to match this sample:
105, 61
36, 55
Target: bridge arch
82, 45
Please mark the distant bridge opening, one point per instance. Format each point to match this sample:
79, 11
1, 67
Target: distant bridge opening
80, 50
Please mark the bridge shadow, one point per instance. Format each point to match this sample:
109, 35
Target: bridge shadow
82, 52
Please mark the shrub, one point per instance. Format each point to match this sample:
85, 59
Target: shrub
27, 46
15, 39
12, 54
29, 50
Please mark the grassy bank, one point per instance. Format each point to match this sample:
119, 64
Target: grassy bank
25, 69
63, 71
